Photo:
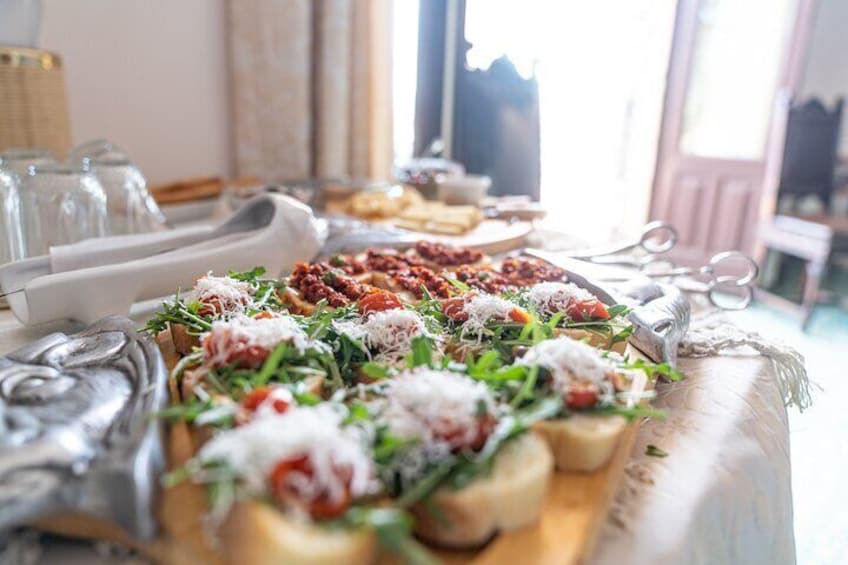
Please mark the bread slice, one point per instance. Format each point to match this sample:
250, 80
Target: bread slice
296, 303
253, 533
601, 341
509, 498
385, 282
258, 534
582, 442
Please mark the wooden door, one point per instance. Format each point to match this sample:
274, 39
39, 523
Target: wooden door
730, 60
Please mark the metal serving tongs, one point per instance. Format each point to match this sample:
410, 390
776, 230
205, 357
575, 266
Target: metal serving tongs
726, 280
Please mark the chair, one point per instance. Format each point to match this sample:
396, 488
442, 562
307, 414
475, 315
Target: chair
808, 163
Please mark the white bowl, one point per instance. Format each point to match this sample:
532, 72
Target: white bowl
466, 189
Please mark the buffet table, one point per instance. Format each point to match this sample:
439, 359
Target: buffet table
721, 494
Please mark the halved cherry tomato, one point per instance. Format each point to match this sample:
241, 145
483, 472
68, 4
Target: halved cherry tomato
379, 301
581, 396
520, 315
587, 311
454, 308
256, 398
455, 436
321, 506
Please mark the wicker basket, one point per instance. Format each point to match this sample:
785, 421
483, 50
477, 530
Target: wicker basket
33, 103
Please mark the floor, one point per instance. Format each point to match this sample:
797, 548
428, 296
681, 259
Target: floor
818, 435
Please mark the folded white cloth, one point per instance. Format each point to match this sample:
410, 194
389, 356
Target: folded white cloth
95, 278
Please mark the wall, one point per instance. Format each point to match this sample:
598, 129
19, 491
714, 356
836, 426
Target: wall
149, 75
826, 69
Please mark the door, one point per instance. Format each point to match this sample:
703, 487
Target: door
729, 62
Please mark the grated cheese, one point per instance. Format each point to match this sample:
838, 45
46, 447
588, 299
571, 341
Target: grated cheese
253, 450
552, 297
482, 309
420, 403
568, 359
232, 296
242, 332
390, 332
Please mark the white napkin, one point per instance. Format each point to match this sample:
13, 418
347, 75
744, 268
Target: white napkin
95, 278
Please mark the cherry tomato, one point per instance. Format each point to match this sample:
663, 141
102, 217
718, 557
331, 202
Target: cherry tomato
321, 506
256, 398
379, 301
520, 315
581, 396
587, 311
456, 436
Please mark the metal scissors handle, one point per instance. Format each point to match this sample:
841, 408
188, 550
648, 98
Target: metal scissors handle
717, 286
657, 237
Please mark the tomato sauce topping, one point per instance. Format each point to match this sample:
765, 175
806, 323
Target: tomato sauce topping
322, 281
525, 271
414, 279
388, 260
446, 255
348, 264
483, 278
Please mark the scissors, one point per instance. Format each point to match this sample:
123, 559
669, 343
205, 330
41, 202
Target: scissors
657, 237
724, 290
727, 291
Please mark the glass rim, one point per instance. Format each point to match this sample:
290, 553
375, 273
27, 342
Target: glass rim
57, 169
106, 161
25, 153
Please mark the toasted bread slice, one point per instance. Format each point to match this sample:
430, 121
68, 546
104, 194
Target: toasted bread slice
183, 341
258, 534
509, 498
385, 282
582, 442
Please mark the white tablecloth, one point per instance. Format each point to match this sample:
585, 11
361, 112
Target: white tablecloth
722, 495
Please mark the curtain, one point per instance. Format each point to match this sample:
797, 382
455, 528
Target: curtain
311, 88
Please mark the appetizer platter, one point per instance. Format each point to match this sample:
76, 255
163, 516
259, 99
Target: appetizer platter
416, 405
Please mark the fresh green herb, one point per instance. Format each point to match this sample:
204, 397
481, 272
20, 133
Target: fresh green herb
655, 369
394, 532
357, 412
655, 451
376, 371
631, 413
461, 286
421, 353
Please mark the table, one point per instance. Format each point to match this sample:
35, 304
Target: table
722, 495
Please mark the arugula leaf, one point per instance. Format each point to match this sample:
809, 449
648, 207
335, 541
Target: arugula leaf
631, 413
375, 371
357, 412
393, 528
623, 335
654, 369
617, 310
655, 451
270, 365
421, 354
